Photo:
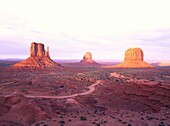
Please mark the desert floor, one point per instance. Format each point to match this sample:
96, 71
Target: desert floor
84, 96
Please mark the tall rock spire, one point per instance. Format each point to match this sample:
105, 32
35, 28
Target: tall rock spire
33, 49
47, 52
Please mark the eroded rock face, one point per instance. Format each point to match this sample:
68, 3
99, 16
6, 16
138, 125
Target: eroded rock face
134, 54
133, 59
88, 56
33, 49
39, 58
87, 59
47, 53
37, 50
41, 50
20, 110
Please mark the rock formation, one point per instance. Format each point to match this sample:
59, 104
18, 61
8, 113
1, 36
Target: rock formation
39, 58
20, 111
37, 50
133, 59
134, 54
87, 59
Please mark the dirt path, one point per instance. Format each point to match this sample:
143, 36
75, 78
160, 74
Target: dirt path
7, 83
91, 89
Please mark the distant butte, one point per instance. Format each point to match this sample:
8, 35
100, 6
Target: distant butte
133, 59
39, 58
87, 59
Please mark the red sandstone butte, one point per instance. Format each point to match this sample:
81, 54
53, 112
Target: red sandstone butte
87, 59
134, 58
39, 58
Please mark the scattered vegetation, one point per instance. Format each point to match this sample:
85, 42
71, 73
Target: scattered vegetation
62, 121
83, 118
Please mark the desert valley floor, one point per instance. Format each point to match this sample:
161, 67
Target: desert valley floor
84, 96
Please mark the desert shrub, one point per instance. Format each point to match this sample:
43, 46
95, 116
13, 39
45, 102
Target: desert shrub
163, 119
150, 118
162, 124
105, 121
95, 112
112, 117
62, 121
123, 122
93, 122
119, 120
61, 116
37, 124
97, 124
83, 118
23, 90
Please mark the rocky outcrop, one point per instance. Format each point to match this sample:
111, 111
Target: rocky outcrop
20, 111
134, 54
39, 58
133, 59
37, 50
87, 59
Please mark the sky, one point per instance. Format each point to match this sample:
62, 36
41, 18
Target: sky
106, 28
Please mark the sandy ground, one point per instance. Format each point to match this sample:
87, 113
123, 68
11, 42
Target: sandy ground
91, 90
119, 118
85, 97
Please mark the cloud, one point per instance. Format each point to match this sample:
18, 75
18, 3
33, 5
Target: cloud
155, 43
70, 28
156, 37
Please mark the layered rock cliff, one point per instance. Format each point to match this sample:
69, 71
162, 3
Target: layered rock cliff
39, 58
134, 54
133, 59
